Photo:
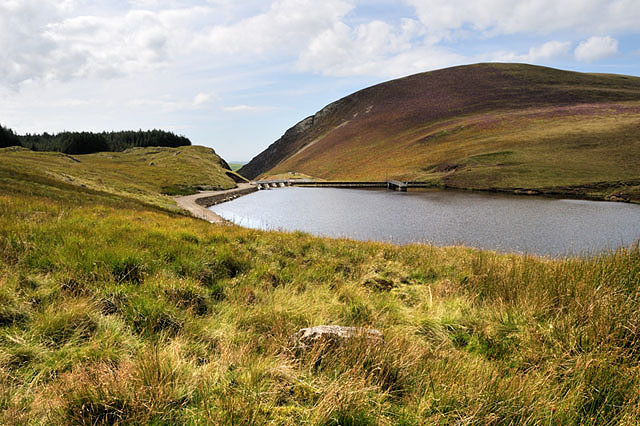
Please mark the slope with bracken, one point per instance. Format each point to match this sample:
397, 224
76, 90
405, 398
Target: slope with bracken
484, 126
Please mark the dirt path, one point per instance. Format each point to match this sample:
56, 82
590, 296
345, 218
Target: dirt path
190, 202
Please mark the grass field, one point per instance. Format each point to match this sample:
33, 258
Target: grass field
150, 175
115, 310
236, 166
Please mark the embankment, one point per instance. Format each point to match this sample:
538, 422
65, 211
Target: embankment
197, 203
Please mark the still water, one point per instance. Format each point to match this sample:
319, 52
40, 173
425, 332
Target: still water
522, 224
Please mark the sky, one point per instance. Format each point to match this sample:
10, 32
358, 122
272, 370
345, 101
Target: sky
236, 74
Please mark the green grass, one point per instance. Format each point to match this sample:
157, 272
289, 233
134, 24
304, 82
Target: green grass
236, 166
150, 175
117, 311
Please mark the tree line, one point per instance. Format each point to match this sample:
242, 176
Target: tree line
89, 142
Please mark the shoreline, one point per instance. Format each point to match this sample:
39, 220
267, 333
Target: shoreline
197, 203
560, 192
544, 193
204, 199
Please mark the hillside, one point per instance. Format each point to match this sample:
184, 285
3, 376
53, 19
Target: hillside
117, 311
484, 126
150, 175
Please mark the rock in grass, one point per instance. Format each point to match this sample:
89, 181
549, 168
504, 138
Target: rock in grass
334, 334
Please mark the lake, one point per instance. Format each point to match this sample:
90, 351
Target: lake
506, 223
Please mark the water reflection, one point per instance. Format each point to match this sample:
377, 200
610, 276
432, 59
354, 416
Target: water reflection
499, 222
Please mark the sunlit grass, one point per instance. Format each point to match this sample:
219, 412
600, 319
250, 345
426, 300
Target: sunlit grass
117, 312
149, 175
236, 166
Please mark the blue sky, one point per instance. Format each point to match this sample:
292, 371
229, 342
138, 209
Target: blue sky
234, 75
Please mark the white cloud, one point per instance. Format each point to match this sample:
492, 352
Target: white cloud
23, 48
247, 108
53, 40
379, 49
74, 39
494, 17
201, 99
43, 39
374, 48
172, 104
596, 48
285, 27
137, 41
544, 52
70, 102
549, 50
212, 63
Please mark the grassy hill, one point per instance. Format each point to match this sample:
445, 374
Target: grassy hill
235, 166
117, 310
149, 174
484, 126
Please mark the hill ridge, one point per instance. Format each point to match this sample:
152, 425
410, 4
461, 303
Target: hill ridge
433, 125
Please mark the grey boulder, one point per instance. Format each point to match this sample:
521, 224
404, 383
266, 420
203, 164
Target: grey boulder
335, 334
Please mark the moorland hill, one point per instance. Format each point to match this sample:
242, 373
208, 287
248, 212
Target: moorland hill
482, 126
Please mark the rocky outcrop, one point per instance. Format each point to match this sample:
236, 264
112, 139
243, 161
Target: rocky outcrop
296, 138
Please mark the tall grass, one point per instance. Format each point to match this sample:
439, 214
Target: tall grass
116, 313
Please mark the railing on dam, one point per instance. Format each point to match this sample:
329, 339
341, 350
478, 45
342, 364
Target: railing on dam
389, 184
